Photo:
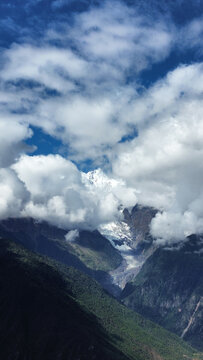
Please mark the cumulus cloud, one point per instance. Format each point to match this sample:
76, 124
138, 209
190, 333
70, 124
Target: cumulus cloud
171, 227
59, 193
82, 85
13, 195
12, 134
116, 32
45, 176
87, 70
85, 114
164, 161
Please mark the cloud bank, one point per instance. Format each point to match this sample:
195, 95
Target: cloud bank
62, 195
82, 83
165, 161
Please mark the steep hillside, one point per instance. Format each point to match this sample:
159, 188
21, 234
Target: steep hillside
49, 311
169, 290
95, 251
40, 319
91, 252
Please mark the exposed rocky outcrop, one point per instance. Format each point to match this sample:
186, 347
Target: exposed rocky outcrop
169, 290
139, 220
132, 238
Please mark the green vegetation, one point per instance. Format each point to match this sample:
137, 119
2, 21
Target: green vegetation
53, 311
168, 289
95, 251
133, 334
91, 252
40, 318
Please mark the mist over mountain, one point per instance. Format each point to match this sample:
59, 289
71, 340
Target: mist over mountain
114, 88
161, 283
101, 148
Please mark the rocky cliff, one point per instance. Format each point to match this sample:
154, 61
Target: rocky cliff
169, 290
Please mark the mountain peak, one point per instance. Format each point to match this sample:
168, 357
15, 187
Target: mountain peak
99, 179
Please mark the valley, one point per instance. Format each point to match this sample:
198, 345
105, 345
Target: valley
162, 284
101, 191
54, 311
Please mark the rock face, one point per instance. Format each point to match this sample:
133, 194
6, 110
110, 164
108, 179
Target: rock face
169, 290
132, 238
139, 220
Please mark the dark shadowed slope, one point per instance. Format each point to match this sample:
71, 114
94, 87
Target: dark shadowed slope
39, 317
49, 311
91, 252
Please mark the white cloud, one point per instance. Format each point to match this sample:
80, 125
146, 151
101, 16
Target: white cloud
191, 35
12, 134
46, 176
51, 66
62, 195
88, 121
90, 113
94, 71
164, 162
171, 227
116, 33
72, 235
13, 195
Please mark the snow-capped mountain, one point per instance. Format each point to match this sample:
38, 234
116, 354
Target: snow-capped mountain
122, 237
129, 233
118, 232
100, 183
97, 178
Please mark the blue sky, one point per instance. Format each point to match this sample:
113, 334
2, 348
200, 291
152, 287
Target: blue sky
112, 86
28, 22
25, 22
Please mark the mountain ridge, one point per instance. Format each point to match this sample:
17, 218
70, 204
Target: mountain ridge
91, 252
169, 290
53, 301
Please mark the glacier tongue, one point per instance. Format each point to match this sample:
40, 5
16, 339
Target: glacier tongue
130, 237
120, 236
